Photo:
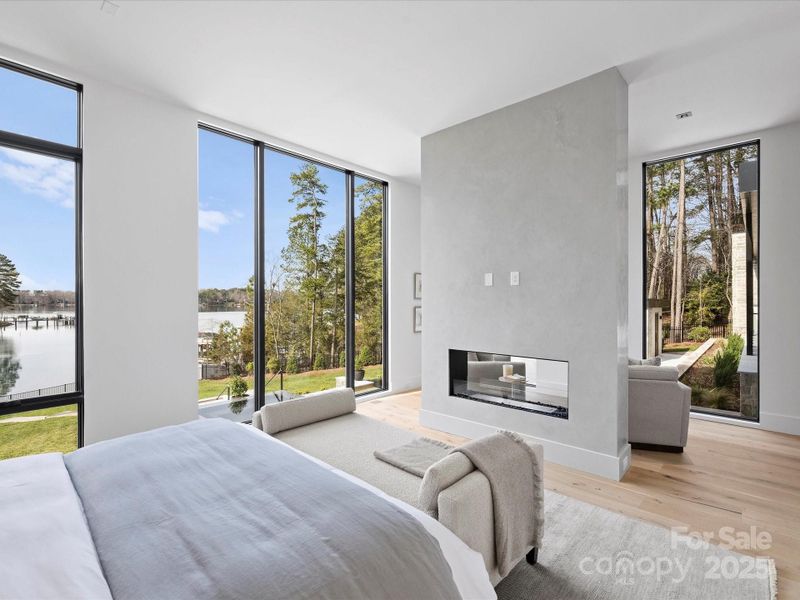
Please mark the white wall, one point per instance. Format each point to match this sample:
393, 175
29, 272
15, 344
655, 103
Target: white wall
140, 257
538, 187
779, 341
140, 263
405, 346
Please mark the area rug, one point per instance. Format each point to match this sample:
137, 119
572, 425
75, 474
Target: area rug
590, 553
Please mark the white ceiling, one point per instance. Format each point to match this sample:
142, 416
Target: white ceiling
365, 80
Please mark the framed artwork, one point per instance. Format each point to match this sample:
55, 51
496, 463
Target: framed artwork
417, 319
417, 286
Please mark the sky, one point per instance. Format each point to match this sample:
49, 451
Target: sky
37, 200
225, 211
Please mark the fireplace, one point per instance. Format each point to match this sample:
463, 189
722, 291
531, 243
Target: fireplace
535, 385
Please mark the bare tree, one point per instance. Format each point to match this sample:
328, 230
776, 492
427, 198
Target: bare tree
678, 275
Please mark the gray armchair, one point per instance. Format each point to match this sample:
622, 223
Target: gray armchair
658, 408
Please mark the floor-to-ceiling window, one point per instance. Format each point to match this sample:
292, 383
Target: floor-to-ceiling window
40, 315
369, 280
701, 235
304, 264
226, 184
311, 316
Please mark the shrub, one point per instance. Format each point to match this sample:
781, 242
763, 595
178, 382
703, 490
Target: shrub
364, 358
699, 334
726, 361
236, 369
291, 364
714, 398
273, 364
238, 386
319, 362
735, 344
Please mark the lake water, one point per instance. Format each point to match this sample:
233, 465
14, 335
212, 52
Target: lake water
36, 356
39, 356
209, 322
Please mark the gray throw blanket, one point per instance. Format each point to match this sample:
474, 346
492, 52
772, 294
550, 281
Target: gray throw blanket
515, 478
208, 510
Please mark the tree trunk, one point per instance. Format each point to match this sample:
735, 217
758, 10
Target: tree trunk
652, 288
723, 215
333, 357
678, 271
713, 234
733, 205
651, 243
314, 290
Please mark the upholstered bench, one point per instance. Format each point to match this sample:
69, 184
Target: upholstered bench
326, 426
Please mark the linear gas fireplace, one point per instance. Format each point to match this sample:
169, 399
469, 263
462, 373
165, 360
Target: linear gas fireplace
531, 384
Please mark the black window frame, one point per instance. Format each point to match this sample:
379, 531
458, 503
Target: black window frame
75, 155
752, 142
259, 293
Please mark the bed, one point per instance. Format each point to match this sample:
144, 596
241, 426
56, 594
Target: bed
213, 509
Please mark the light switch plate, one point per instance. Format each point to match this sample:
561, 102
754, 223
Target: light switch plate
487, 279
514, 277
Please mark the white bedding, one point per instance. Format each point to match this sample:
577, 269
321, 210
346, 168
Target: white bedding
46, 550
469, 571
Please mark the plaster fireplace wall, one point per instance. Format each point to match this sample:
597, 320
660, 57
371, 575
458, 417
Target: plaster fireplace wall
538, 188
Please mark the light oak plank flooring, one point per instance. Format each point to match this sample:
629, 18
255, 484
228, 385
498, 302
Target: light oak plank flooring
728, 476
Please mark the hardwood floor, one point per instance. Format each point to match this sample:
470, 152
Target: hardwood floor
728, 476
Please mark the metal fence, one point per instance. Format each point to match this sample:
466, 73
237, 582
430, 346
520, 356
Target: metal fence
212, 371
676, 335
48, 391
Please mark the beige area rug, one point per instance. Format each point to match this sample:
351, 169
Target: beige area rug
590, 553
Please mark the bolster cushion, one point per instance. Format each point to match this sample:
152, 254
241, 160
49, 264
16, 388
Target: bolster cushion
307, 409
257, 420
440, 476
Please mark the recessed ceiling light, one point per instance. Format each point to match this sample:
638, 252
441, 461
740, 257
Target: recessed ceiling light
109, 7
684, 115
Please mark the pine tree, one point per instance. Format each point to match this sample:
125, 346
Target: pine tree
9, 282
303, 256
369, 270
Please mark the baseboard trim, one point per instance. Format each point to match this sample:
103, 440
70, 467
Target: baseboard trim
407, 385
656, 447
597, 463
768, 421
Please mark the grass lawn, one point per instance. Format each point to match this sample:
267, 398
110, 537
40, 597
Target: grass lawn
682, 347
298, 383
58, 434
43, 412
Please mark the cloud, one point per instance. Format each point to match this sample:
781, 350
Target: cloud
212, 220
50, 178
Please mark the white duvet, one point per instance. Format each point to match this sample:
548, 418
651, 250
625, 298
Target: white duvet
46, 550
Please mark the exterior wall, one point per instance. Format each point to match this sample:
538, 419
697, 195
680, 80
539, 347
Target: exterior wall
739, 283
654, 332
538, 187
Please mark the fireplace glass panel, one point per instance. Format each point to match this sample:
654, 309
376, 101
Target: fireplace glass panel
524, 383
